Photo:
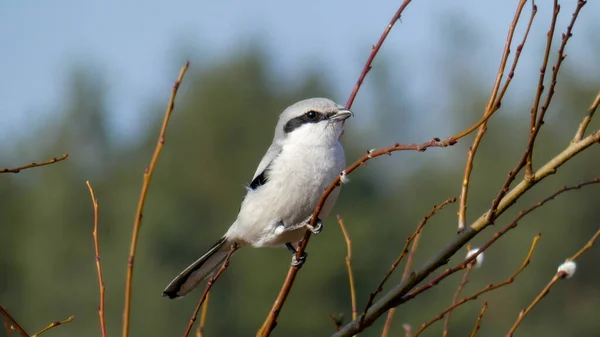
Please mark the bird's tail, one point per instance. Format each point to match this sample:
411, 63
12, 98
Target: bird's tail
199, 270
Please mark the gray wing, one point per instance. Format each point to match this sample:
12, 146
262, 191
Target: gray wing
260, 177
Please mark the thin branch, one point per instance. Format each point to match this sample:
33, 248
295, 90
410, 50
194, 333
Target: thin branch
374, 51
560, 274
416, 234
586, 247
461, 286
408, 265
11, 321
557, 277
54, 324
587, 119
484, 290
138, 216
28, 166
401, 292
7, 327
491, 107
479, 318
98, 267
209, 285
203, 314
560, 58
349, 265
533, 126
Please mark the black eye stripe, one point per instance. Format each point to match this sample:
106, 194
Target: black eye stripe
295, 123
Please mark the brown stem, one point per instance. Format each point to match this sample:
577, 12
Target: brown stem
20, 168
98, 267
138, 215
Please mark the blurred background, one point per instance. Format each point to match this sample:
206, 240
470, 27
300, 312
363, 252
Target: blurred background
93, 79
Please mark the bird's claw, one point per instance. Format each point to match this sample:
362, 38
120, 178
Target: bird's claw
317, 228
298, 262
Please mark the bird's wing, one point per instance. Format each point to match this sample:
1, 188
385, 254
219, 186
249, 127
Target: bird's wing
260, 176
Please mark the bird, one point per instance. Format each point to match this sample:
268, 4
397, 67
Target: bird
303, 159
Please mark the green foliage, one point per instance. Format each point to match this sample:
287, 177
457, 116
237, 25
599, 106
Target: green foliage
222, 124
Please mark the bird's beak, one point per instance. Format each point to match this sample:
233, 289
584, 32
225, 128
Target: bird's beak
342, 114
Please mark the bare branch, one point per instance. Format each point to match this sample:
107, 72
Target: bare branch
98, 267
28, 166
54, 324
491, 107
488, 288
349, 265
209, 285
587, 119
138, 216
12, 323
479, 318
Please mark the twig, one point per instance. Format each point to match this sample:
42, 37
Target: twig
479, 318
401, 293
209, 285
491, 107
98, 267
408, 265
138, 216
407, 330
349, 265
534, 126
374, 52
7, 327
12, 323
337, 320
414, 236
557, 277
461, 286
560, 274
20, 168
586, 247
203, 314
587, 119
54, 324
482, 291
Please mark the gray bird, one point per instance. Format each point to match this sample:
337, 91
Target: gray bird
304, 158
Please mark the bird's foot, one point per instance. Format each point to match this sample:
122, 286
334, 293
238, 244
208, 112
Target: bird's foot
317, 228
296, 262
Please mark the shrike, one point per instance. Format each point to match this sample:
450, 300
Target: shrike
304, 158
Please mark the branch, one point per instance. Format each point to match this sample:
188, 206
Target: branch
488, 288
98, 267
138, 216
493, 105
54, 324
400, 293
20, 168
209, 285
533, 126
587, 119
349, 265
415, 238
11, 321
461, 286
479, 318
200, 329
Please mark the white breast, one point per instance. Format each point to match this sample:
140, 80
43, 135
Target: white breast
296, 181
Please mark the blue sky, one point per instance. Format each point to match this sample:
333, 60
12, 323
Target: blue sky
135, 44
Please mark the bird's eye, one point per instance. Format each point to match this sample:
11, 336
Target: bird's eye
311, 115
